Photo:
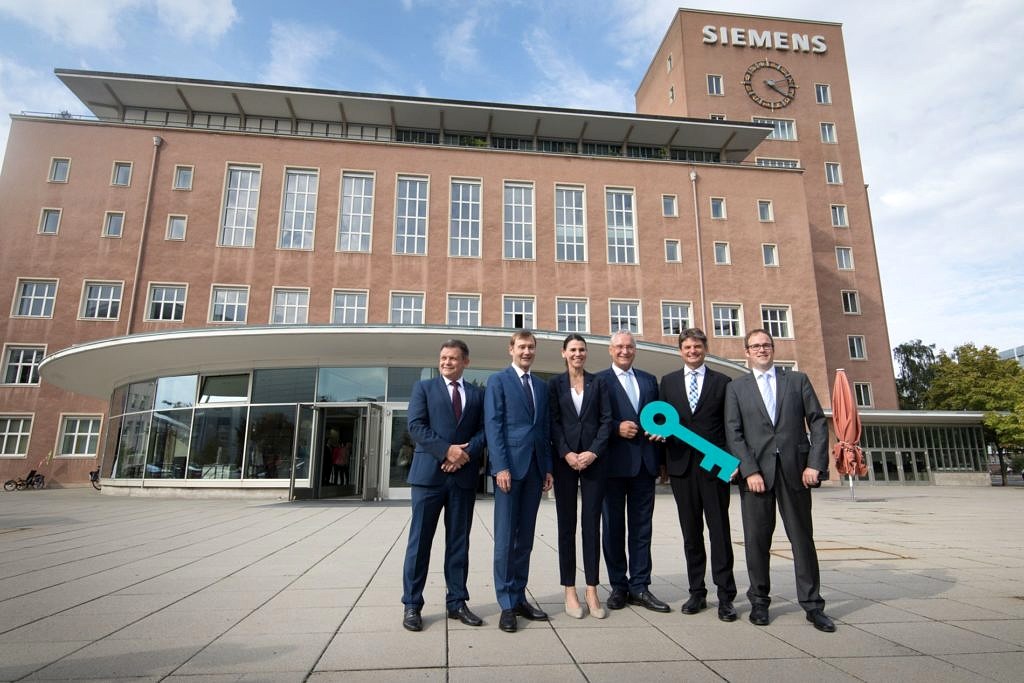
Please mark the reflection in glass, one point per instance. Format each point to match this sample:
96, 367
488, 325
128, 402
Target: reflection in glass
351, 384
269, 448
176, 392
401, 381
113, 436
117, 400
303, 445
216, 445
131, 447
140, 396
290, 385
401, 450
168, 449
224, 389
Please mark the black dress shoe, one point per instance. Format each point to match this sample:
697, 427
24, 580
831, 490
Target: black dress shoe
759, 615
647, 599
411, 619
695, 604
528, 611
821, 621
617, 600
507, 622
726, 612
465, 615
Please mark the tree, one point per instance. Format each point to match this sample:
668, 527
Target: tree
916, 362
978, 379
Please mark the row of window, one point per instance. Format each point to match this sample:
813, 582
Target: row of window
60, 172
765, 211
822, 91
79, 435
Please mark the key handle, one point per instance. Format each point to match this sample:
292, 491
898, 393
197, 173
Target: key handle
662, 419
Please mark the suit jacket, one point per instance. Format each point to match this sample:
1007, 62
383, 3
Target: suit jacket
432, 426
627, 456
754, 439
515, 438
707, 419
588, 431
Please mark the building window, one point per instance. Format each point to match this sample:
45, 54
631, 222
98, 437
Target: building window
726, 320
182, 178
230, 305
464, 310
80, 436
828, 133
166, 302
406, 308
518, 312
715, 85
844, 258
775, 319
851, 302
765, 213
675, 317
518, 221
570, 224
21, 364
59, 170
101, 300
782, 129
770, 254
862, 394
624, 315
669, 206
238, 227
411, 216
839, 216
621, 228
722, 253
668, 64
298, 214
571, 315
35, 298
672, 251
354, 227
113, 223
717, 117
49, 222
14, 433
770, 162
291, 307
822, 93
718, 208
671, 94
464, 222
176, 226
349, 308
857, 348
122, 174
833, 173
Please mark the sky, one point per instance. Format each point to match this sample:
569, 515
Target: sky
938, 91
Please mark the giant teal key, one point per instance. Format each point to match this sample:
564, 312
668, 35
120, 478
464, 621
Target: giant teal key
661, 419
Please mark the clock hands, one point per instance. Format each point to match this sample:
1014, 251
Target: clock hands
771, 84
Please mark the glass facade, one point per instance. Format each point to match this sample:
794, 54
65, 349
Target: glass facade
911, 453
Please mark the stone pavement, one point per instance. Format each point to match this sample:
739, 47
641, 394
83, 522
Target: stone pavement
925, 584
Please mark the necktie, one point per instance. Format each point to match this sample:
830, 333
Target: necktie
456, 401
529, 392
634, 397
692, 394
768, 395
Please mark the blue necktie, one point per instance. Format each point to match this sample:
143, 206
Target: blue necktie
529, 392
692, 394
769, 396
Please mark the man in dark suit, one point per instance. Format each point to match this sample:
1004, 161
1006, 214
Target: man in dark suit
634, 459
519, 450
767, 417
698, 394
446, 421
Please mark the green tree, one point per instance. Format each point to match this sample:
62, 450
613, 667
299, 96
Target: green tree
916, 363
978, 379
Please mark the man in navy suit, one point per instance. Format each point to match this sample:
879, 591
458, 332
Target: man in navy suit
634, 459
446, 421
519, 449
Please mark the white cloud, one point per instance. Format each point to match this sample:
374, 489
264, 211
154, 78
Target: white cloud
295, 51
208, 19
82, 24
457, 46
565, 83
26, 89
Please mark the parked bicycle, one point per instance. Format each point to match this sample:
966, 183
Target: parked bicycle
94, 479
33, 480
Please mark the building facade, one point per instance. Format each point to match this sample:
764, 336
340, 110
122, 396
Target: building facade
216, 283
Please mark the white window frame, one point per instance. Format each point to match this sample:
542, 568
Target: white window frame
722, 254
462, 309
619, 310
621, 226
412, 228
48, 300
234, 232
44, 213
107, 218
823, 93
171, 219
777, 162
518, 235
717, 117
465, 217
359, 308
844, 258
773, 249
718, 202
715, 85
733, 320
783, 130
21, 439
863, 396
840, 218
51, 177
564, 316
765, 211
181, 287
298, 221
670, 318
828, 133
570, 224
670, 206
84, 300
833, 173
91, 438
355, 227
224, 288
119, 165
38, 352
523, 305
673, 245
857, 346
297, 309
851, 301
778, 320
416, 313
178, 169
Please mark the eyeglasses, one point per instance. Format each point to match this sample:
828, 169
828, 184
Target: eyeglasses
761, 347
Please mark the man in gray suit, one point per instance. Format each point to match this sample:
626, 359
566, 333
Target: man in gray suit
767, 417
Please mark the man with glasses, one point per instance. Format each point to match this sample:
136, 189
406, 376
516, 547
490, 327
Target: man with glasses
767, 417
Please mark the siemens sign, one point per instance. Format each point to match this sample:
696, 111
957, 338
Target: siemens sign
771, 40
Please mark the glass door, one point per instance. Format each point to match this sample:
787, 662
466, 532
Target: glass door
397, 455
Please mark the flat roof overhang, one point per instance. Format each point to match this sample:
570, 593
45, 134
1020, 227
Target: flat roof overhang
96, 368
108, 94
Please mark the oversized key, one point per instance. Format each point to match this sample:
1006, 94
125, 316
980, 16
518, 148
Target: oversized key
661, 419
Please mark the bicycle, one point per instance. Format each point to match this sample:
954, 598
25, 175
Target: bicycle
33, 480
94, 479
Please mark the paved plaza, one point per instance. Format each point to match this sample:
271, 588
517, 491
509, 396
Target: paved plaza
925, 584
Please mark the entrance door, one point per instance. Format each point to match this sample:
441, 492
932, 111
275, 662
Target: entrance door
341, 445
915, 466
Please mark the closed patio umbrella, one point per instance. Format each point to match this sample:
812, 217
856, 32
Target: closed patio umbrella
846, 423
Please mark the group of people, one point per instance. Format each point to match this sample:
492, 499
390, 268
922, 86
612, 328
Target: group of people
580, 434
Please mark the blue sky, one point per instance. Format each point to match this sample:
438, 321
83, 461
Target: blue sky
938, 92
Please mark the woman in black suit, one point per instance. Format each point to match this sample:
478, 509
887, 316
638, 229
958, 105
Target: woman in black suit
581, 417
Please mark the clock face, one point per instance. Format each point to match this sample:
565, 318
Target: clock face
769, 84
